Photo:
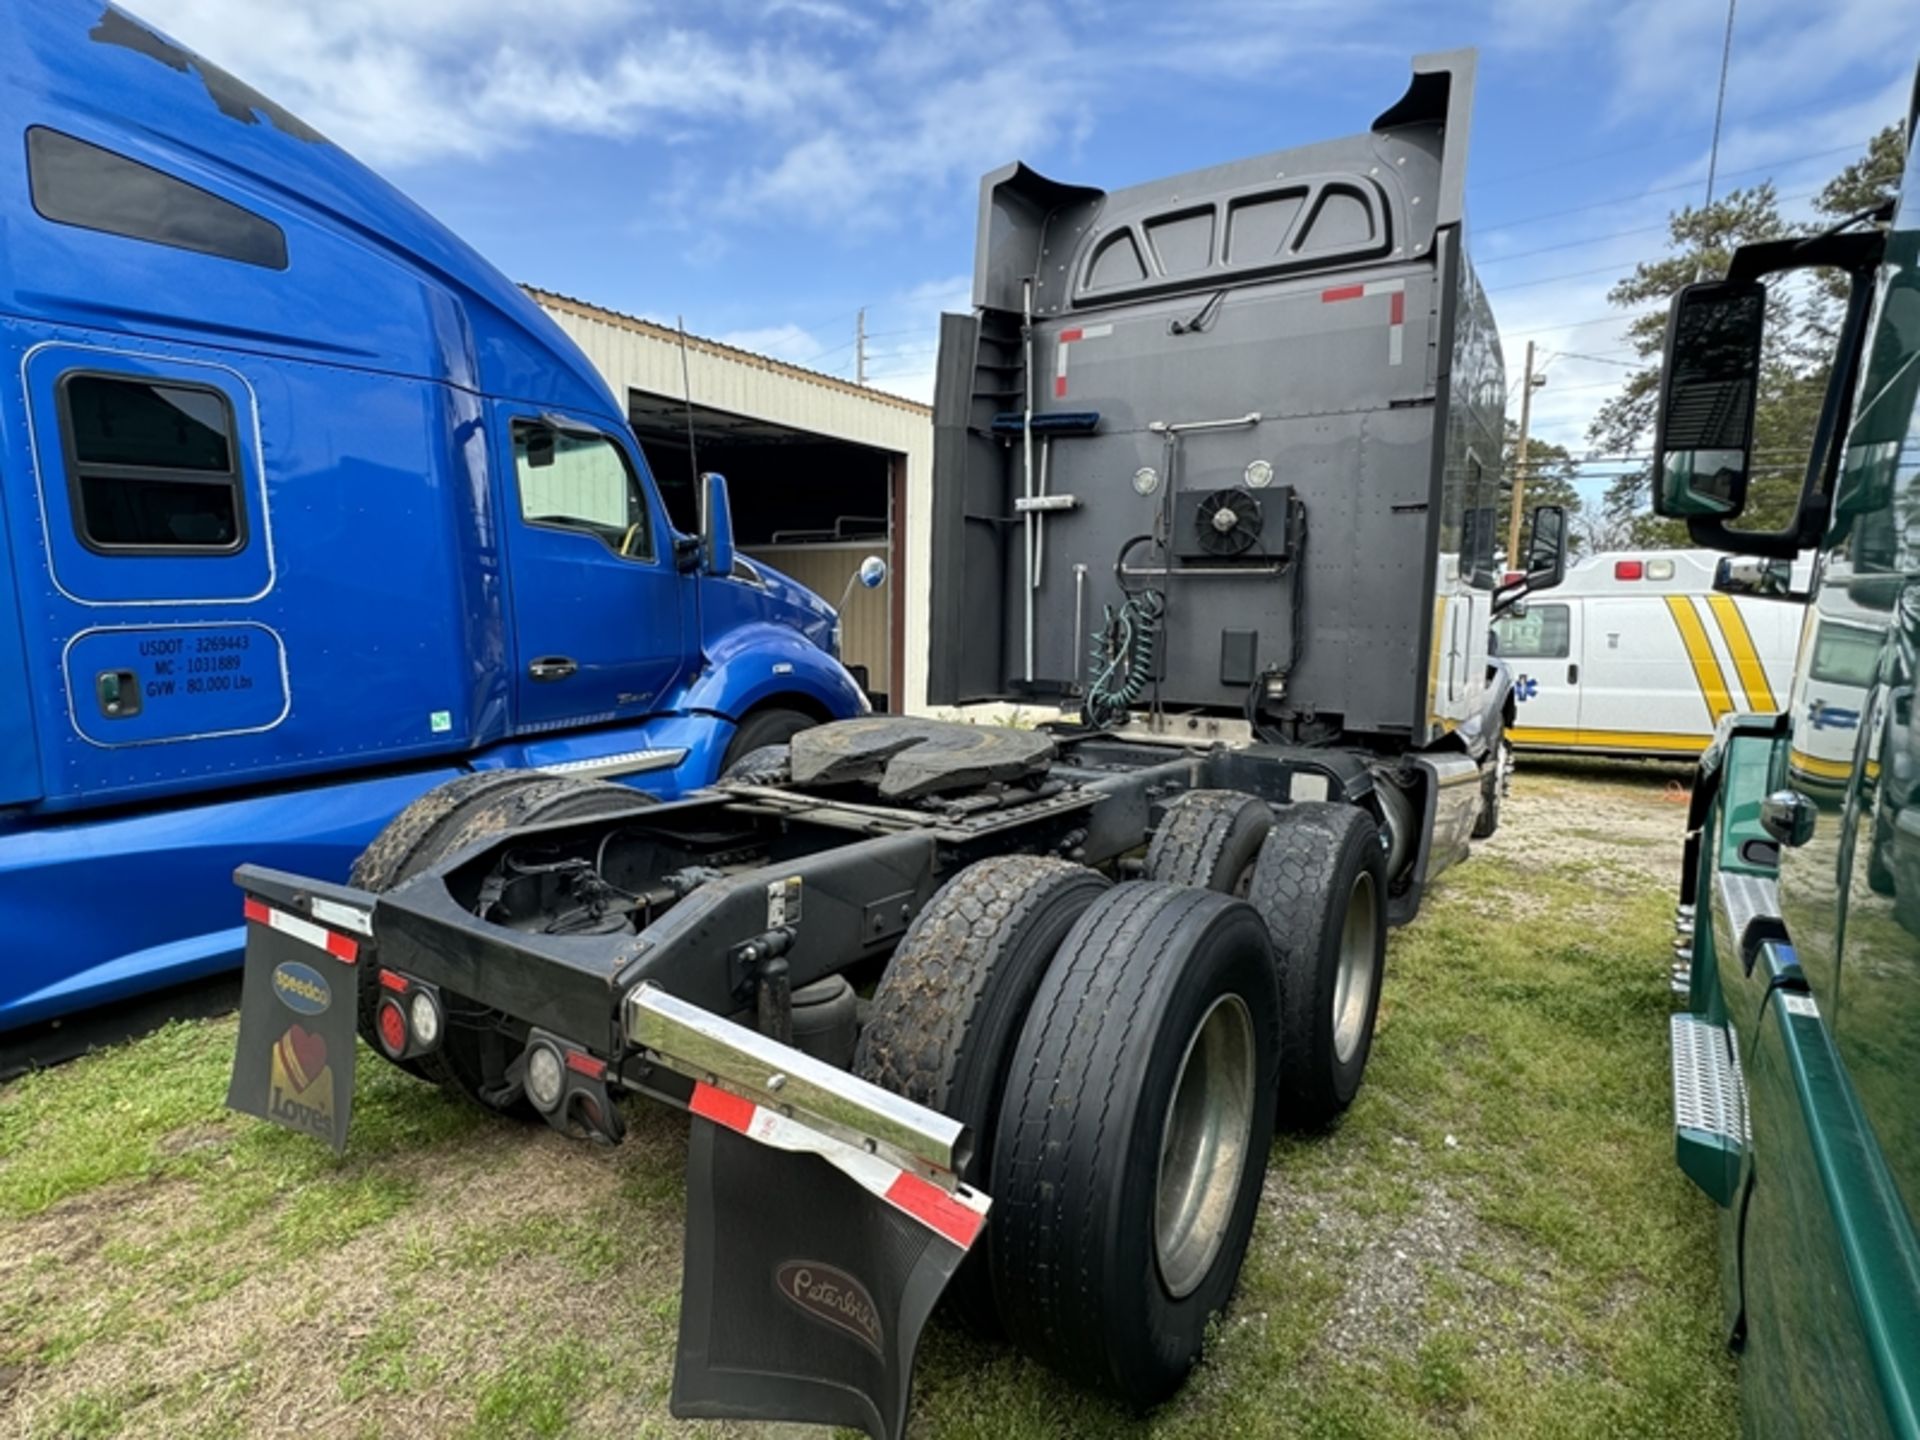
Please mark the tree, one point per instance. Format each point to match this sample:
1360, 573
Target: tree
1802, 322
1550, 476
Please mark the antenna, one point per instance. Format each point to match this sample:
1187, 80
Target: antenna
686, 395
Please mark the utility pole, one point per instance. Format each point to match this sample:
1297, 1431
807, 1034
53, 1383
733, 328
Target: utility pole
860, 348
1514, 559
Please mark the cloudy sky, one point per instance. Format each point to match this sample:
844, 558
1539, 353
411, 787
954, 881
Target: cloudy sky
767, 167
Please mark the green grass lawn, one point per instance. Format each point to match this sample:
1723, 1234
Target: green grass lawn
1494, 1242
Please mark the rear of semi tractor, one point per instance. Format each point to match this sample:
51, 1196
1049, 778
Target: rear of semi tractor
1230, 500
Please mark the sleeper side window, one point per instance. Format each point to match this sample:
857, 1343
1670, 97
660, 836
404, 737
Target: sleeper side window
574, 480
153, 466
1545, 632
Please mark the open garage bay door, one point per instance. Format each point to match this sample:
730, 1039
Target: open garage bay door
807, 504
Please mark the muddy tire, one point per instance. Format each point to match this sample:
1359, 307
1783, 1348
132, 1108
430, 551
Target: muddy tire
1209, 838
1493, 789
761, 729
1320, 885
765, 766
951, 1004
1133, 1137
441, 822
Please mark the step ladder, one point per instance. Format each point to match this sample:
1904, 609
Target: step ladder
1710, 1133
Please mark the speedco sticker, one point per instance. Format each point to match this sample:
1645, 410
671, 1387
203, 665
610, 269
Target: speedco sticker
830, 1295
301, 988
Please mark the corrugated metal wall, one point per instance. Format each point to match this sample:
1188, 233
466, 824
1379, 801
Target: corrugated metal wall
825, 569
636, 355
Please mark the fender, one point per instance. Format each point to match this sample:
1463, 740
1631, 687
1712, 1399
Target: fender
760, 662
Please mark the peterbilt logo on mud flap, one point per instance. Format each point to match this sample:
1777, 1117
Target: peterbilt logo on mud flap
830, 1295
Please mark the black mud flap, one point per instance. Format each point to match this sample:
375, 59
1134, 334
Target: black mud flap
811, 1269
293, 1064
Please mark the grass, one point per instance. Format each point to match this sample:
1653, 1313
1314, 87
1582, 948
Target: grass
1494, 1242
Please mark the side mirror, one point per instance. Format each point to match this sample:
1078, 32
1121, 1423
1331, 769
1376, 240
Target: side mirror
1750, 575
1703, 442
1546, 547
716, 526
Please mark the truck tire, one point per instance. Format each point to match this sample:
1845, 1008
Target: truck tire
773, 726
1320, 884
449, 818
765, 766
952, 1001
1493, 789
1145, 1062
1209, 838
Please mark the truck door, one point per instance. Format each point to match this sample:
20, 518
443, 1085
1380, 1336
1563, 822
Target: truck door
1541, 649
598, 605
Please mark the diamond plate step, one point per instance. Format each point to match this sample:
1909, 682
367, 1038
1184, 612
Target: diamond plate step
1710, 1134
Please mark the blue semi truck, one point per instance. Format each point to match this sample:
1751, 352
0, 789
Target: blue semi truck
304, 510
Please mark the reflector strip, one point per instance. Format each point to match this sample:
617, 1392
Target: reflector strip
1061, 342
318, 936
1396, 291
958, 1216
393, 980
582, 1063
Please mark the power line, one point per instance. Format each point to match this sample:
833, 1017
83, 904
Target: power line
1668, 189
1720, 102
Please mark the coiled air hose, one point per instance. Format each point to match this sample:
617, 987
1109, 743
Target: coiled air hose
1123, 658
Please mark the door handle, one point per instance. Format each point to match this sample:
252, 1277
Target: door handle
552, 667
1788, 817
1573, 674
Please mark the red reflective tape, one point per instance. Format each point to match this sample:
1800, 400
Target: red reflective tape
256, 912
712, 1103
1397, 308
1345, 292
393, 980
341, 948
936, 1209
1067, 337
593, 1068
1059, 387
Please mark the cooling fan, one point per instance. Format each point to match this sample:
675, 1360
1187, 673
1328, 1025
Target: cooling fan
1226, 523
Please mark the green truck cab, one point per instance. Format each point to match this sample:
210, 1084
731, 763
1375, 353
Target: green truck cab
1796, 1060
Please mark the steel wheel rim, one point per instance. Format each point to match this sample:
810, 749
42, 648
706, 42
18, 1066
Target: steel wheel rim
1353, 985
1203, 1146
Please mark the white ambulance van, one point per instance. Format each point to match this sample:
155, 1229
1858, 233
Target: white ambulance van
1636, 654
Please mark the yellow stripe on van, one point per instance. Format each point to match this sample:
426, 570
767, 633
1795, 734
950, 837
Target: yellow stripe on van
1706, 665
1433, 660
1746, 659
1821, 768
1549, 737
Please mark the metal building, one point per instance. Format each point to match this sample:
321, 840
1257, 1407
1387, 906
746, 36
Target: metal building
822, 473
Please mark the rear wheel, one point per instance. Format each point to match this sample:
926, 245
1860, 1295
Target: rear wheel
473, 1056
1209, 838
1133, 1137
773, 726
1320, 885
951, 1004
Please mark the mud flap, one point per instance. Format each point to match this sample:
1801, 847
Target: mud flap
293, 1064
811, 1268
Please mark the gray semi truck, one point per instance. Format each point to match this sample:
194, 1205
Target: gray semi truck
1008, 1015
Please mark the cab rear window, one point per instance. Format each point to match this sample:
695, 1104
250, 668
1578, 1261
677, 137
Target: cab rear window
152, 465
